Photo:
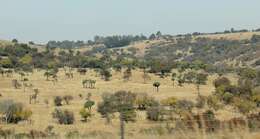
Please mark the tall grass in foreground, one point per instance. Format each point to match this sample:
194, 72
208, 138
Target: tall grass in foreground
193, 127
155, 132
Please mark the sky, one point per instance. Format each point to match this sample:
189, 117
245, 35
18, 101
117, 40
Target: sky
44, 20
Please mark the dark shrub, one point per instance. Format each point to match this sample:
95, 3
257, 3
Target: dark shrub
221, 81
63, 116
58, 101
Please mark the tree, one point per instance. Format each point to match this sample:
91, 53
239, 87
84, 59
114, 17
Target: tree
127, 74
15, 41
117, 67
248, 77
190, 77
47, 74
106, 74
122, 102
200, 79
158, 34
157, 85
51, 73
174, 76
89, 104
180, 80
31, 42
146, 76
152, 37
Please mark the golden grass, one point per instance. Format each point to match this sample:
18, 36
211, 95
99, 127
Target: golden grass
232, 36
42, 113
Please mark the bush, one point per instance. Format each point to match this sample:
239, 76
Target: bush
227, 97
122, 102
155, 113
58, 101
244, 106
257, 63
6, 133
213, 102
185, 105
221, 81
14, 112
85, 114
67, 99
143, 101
63, 116
254, 121
73, 135
201, 101
171, 101
105, 74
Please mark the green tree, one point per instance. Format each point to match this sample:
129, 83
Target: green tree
157, 85
122, 102
6, 63
15, 41
27, 59
89, 104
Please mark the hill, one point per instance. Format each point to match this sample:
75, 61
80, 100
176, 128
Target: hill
185, 86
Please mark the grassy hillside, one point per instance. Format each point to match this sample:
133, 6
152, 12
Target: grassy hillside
189, 86
42, 112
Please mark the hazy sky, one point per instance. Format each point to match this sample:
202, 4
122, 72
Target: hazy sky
43, 20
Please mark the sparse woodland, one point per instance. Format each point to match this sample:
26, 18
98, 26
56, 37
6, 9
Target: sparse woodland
185, 86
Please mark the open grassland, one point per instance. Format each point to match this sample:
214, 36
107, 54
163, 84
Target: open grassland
42, 113
97, 126
232, 36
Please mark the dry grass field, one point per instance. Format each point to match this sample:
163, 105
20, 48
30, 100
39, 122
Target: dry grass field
42, 117
42, 112
232, 36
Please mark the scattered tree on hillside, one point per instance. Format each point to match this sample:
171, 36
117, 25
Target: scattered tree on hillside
63, 116
200, 79
127, 74
157, 85
122, 102
106, 75
174, 76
